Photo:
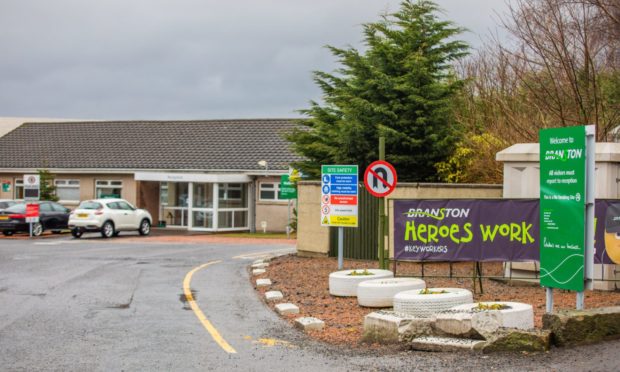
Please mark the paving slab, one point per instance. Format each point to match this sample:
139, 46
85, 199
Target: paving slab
263, 282
287, 308
450, 344
260, 265
258, 271
273, 295
309, 323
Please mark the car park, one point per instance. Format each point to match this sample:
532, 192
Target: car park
52, 216
109, 217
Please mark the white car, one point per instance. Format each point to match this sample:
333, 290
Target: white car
109, 216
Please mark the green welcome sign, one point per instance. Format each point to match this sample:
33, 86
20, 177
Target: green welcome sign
288, 189
562, 207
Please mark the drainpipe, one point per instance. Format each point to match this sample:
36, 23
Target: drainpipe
252, 203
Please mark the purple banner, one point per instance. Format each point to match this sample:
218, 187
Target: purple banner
488, 230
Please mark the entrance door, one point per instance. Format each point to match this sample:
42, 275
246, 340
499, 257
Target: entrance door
174, 203
202, 206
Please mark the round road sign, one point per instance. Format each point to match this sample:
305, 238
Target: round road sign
380, 178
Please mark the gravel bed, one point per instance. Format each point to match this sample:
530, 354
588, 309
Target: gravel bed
304, 282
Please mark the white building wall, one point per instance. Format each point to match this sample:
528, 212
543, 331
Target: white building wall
522, 180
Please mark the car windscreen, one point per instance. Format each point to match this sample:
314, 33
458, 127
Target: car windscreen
90, 205
17, 208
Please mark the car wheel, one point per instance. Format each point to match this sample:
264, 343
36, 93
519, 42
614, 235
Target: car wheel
37, 229
77, 233
107, 230
7, 233
145, 227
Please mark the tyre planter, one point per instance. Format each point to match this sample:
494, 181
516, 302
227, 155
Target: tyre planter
344, 285
516, 315
425, 305
380, 292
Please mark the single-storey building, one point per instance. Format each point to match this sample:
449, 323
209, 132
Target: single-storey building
207, 175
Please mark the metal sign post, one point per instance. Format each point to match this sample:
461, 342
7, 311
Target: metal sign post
339, 195
590, 199
288, 191
32, 215
380, 180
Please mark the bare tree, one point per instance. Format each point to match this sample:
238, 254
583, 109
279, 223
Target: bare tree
558, 68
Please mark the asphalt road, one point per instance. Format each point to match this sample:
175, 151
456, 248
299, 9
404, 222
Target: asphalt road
115, 305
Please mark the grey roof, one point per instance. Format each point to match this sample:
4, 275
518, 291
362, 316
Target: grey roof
196, 145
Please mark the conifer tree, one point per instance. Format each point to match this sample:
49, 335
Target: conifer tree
400, 87
46, 185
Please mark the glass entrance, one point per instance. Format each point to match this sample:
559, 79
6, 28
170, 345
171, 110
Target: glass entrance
233, 206
202, 206
174, 203
205, 206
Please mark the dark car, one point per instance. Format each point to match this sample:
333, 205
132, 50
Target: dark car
5, 203
52, 216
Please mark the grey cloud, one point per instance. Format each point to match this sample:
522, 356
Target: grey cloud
183, 59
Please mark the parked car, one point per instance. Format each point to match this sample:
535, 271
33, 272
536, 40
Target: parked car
5, 203
109, 217
52, 216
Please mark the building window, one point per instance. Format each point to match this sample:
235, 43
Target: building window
232, 195
19, 189
68, 190
230, 191
269, 191
108, 189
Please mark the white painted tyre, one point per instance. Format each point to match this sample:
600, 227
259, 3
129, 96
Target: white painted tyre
380, 292
425, 305
519, 315
344, 285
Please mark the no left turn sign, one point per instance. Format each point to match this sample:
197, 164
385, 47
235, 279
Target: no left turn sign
380, 178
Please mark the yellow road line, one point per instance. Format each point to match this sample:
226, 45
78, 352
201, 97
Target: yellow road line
201, 316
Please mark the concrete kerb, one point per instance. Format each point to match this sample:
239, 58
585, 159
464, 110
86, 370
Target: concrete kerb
287, 308
304, 323
258, 271
470, 321
273, 295
391, 327
309, 324
263, 282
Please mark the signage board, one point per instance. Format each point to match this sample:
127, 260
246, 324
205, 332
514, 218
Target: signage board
6, 186
339, 195
287, 188
31, 186
488, 230
32, 212
562, 207
380, 178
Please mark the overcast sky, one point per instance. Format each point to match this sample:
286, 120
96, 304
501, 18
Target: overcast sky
184, 59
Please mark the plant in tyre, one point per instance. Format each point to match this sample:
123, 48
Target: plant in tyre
427, 291
362, 273
491, 306
401, 87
